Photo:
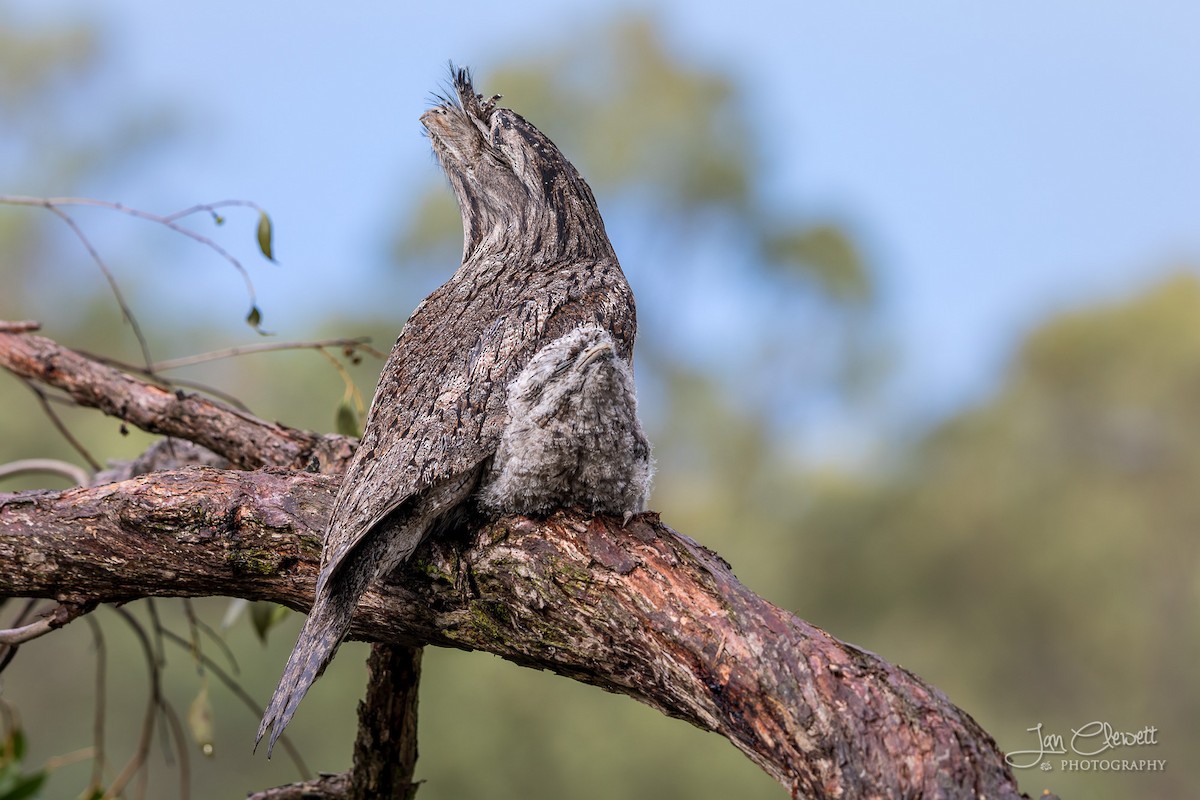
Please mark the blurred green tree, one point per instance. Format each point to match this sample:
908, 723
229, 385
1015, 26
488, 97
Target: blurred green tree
1036, 557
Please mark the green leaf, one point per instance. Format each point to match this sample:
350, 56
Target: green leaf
264, 616
14, 785
200, 720
254, 320
26, 787
347, 420
16, 744
264, 235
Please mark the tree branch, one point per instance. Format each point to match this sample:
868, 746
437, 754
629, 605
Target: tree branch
325, 787
245, 440
51, 621
72, 472
385, 752
635, 609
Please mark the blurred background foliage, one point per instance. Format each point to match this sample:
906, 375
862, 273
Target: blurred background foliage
1034, 556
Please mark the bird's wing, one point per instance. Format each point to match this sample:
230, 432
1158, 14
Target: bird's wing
440, 406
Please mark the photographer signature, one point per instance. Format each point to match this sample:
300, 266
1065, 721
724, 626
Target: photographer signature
1089, 740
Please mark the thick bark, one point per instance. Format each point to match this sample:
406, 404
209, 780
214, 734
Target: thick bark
385, 752
326, 787
246, 441
636, 609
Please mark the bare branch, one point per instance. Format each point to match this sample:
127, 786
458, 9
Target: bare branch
171, 221
212, 209
25, 633
240, 693
137, 762
126, 312
326, 787
77, 475
44, 400
639, 610
636, 609
96, 781
51, 621
176, 735
19, 326
385, 751
356, 343
245, 440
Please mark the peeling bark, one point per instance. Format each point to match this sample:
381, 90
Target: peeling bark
245, 440
385, 751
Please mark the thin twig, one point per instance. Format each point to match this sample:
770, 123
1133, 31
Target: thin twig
221, 644
159, 380
160, 652
67, 759
351, 387
51, 620
9, 652
25, 612
171, 730
189, 612
181, 750
61, 399
77, 475
98, 763
126, 312
211, 208
247, 700
19, 326
212, 391
61, 426
137, 763
169, 220
26, 633
358, 343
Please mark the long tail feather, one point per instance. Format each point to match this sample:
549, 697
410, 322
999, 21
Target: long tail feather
342, 584
319, 639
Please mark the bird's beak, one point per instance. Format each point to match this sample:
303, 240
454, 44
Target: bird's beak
594, 352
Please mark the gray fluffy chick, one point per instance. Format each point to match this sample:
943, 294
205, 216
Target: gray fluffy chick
573, 436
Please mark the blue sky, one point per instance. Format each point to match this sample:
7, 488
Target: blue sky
1002, 160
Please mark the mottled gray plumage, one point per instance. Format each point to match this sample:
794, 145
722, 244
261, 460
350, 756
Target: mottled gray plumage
537, 264
573, 436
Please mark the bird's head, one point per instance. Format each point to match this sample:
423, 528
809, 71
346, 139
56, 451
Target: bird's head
515, 189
